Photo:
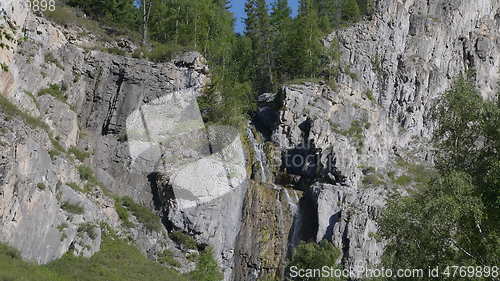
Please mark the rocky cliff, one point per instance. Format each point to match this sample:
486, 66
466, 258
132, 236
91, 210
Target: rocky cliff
81, 127
351, 144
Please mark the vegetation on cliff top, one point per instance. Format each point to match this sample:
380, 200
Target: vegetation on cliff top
275, 47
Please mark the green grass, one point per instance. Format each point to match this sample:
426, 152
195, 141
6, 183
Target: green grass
403, 180
87, 174
183, 239
415, 172
369, 95
355, 132
167, 257
116, 261
54, 153
62, 226
122, 213
79, 154
55, 91
89, 229
76, 187
72, 208
373, 179
57, 146
11, 110
161, 52
144, 215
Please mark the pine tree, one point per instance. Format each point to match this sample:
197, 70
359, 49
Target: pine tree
350, 11
281, 23
258, 29
308, 49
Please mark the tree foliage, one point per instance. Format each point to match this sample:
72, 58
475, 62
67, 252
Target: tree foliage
206, 268
314, 256
454, 219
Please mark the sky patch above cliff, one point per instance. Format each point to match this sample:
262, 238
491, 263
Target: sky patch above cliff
238, 9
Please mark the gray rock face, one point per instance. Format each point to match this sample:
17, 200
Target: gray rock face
40, 214
346, 216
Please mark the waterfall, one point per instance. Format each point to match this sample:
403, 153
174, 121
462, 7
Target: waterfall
260, 157
294, 237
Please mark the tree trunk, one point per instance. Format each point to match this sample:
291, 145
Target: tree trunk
146, 12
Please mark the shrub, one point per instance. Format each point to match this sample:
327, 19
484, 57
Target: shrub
55, 91
12, 110
207, 268
80, 155
167, 257
87, 174
55, 143
41, 186
164, 52
192, 257
76, 187
403, 180
89, 229
184, 240
53, 153
144, 215
72, 208
62, 226
122, 213
9, 252
372, 180
312, 255
369, 95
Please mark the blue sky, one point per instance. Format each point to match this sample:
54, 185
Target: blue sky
238, 8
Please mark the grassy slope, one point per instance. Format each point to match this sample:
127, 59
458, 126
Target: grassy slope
117, 261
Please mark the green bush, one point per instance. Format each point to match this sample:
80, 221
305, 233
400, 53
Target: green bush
54, 153
183, 239
144, 215
80, 155
312, 255
72, 208
41, 186
403, 180
87, 174
164, 52
89, 229
55, 91
369, 95
167, 257
373, 179
207, 268
76, 187
13, 111
122, 213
